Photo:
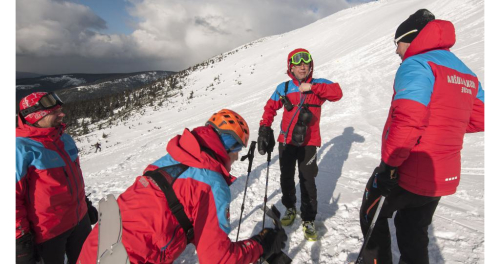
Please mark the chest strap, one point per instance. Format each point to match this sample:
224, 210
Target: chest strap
308, 105
171, 173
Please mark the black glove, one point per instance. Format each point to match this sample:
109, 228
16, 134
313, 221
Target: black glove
385, 178
25, 249
272, 241
92, 211
265, 142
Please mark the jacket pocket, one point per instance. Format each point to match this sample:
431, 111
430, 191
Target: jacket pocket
174, 246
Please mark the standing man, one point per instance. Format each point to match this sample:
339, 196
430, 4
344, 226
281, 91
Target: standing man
437, 99
97, 147
197, 170
51, 208
299, 137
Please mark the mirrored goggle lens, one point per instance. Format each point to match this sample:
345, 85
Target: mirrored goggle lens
236, 147
301, 56
48, 101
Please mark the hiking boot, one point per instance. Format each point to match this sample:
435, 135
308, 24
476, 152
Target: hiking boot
309, 230
289, 216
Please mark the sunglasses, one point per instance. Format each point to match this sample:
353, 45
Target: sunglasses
46, 102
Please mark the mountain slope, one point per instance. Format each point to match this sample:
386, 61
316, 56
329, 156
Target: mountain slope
352, 47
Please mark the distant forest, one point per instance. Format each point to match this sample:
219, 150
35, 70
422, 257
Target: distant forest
109, 110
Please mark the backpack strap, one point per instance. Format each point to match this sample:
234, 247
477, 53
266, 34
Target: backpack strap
171, 173
286, 87
311, 105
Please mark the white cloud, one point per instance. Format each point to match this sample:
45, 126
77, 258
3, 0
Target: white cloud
169, 34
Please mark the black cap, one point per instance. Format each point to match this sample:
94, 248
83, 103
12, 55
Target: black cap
416, 21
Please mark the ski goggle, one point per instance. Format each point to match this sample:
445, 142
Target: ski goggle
301, 56
237, 147
404, 35
46, 102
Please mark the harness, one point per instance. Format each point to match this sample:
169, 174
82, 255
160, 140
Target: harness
299, 106
165, 178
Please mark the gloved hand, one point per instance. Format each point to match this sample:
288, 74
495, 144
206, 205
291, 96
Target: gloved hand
265, 141
385, 178
272, 241
92, 211
25, 249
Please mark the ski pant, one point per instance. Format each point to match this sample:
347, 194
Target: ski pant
305, 157
413, 216
69, 243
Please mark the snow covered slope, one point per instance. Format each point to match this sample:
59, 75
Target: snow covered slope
353, 47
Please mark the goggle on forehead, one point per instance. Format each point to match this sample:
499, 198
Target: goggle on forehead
46, 102
301, 56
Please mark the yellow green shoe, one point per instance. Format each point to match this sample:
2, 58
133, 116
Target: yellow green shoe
289, 216
309, 230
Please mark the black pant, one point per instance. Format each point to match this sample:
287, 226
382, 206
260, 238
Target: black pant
308, 169
69, 243
413, 217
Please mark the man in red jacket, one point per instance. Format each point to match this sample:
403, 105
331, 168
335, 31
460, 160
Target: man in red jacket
437, 99
51, 207
299, 136
152, 232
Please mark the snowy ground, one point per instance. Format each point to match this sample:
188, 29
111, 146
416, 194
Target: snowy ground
353, 47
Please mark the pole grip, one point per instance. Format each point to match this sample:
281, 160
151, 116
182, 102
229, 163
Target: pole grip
250, 155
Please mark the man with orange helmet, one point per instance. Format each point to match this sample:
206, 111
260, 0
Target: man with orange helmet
299, 135
197, 170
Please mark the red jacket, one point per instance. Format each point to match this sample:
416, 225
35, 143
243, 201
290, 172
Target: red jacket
322, 90
151, 234
437, 99
50, 192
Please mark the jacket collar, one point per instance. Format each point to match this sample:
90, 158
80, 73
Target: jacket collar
437, 34
188, 149
37, 133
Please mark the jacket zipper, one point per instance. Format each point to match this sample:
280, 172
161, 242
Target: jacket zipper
79, 171
69, 182
74, 179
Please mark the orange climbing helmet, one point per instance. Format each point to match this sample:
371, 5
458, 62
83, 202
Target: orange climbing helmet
229, 122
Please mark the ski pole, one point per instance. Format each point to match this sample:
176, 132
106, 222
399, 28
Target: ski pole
265, 192
372, 224
249, 155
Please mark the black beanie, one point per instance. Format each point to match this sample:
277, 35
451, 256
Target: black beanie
417, 21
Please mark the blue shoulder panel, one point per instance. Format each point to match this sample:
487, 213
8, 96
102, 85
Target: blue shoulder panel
70, 146
480, 93
415, 79
220, 189
280, 90
164, 161
220, 192
32, 153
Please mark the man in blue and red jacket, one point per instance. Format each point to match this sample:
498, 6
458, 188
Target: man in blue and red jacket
299, 136
51, 207
437, 99
151, 231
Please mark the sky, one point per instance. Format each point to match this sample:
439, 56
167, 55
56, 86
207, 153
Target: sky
96, 36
